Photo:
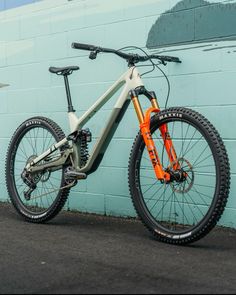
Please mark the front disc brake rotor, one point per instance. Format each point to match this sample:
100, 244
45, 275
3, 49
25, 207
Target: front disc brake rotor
183, 178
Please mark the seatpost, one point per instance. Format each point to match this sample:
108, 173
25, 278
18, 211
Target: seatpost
68, 94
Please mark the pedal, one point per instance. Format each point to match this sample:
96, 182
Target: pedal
74, 175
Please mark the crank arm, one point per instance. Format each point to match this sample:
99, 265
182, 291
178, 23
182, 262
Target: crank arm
53, 165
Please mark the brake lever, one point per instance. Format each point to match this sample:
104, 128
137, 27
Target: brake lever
93, 55
164, 63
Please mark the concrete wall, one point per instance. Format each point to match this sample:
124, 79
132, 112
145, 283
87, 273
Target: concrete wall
36, 36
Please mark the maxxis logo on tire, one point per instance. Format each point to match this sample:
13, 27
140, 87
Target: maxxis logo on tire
33, 122
170, 115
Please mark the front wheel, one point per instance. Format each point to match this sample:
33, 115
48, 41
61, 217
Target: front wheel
187, 208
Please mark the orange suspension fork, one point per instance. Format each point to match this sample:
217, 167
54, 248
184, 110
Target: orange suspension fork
164, 133
145, 121
169, 146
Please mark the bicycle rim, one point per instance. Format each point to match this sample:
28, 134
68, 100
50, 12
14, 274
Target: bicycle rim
179, 207
33, 142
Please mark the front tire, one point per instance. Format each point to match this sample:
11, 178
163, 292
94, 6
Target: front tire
183, 211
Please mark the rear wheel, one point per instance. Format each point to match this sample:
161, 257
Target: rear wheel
189, 206
50, 191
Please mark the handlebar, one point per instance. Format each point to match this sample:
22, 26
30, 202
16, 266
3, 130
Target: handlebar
131, 58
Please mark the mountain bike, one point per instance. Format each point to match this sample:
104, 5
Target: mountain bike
179, 174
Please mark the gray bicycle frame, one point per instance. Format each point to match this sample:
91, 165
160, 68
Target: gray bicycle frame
130, 80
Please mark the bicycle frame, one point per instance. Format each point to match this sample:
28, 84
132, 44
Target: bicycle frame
131, 81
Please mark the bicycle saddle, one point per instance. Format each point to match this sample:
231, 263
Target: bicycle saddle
65, 71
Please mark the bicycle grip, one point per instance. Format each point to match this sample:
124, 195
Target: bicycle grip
171, 59
83, 46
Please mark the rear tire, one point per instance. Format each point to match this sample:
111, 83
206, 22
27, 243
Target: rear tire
205, 195
31, 139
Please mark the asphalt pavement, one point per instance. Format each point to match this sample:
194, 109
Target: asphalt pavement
88, 254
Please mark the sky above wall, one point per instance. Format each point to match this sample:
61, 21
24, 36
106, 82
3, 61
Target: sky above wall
8, 4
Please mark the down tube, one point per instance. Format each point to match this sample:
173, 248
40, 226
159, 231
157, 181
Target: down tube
107, 135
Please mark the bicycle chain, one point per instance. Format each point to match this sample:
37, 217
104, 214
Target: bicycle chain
53, 191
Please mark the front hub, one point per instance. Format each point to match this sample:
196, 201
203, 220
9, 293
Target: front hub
181, 179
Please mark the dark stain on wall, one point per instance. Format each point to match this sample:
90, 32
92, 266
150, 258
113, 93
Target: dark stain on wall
194, 21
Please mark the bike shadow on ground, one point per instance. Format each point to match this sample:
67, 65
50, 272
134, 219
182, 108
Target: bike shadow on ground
218, 240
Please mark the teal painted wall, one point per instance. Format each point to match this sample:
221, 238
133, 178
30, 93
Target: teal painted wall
39, 35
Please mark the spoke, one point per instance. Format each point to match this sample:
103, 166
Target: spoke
148, 177
23, 153
146, 159
171, 208
48, 193
201, 185
189, 223
157, 191
185, 152
148, 184
43, 150
204, 160
22, 157
200, 156
158, 138
53, 177
163, 206
205, 166
183, 142
18, 179
196, 205
204, 195
30, 144
25, 187
50, 143
151, 187
205, 174
158, 199
35, 139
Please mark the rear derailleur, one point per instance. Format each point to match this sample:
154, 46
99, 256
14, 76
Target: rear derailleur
31, 181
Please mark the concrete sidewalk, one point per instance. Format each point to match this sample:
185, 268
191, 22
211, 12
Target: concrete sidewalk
89, 254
